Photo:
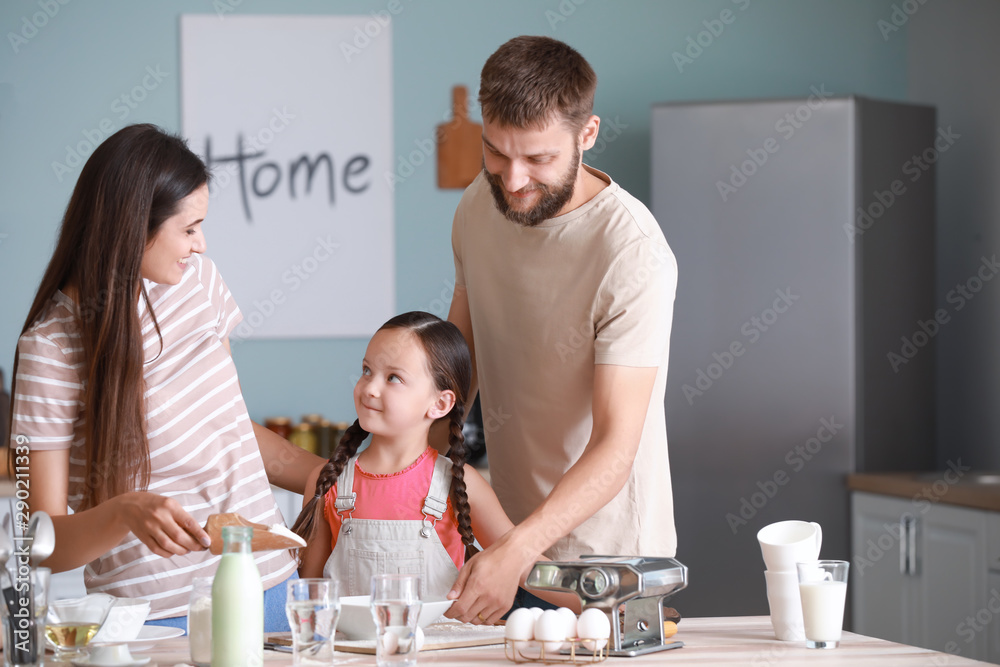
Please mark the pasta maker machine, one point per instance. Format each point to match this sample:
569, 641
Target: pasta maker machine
630, 590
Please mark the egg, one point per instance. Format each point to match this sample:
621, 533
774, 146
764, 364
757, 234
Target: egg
389, 642
569, 619
550, 629
594, 628
419, 638
535, 612
520, 625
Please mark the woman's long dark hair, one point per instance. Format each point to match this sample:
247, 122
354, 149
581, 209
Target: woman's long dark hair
451, 369
128, 187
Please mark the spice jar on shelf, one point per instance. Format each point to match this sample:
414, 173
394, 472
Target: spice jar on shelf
280, 425
324, 432
339, 429
313, 420
304, 437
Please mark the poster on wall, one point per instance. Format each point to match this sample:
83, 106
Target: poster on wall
297, 135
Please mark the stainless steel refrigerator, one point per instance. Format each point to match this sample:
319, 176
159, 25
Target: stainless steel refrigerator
804, 324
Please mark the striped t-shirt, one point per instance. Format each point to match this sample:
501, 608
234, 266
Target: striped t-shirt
202, 449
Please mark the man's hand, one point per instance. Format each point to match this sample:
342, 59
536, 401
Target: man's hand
485, 588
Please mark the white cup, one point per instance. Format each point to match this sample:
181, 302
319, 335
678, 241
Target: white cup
110, 654
785, 603
124, 621
786, 543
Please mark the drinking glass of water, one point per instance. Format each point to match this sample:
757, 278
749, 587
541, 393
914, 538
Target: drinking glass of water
396, 607
313, 608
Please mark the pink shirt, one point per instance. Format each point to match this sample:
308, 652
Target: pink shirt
397, 496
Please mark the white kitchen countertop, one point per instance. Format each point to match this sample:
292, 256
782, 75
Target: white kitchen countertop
742, 640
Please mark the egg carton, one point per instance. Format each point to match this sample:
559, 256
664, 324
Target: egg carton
533, 650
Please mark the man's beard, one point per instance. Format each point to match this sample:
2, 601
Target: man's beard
552, 199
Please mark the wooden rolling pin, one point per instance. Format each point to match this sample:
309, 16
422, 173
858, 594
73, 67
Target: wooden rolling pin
265, 538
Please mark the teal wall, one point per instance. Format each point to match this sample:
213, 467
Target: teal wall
63, 81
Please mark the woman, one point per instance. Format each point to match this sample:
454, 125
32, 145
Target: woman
125, 389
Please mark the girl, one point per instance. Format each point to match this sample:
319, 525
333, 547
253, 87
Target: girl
399, 506
125, 394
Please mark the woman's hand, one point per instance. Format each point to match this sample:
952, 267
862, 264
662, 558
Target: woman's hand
161, 524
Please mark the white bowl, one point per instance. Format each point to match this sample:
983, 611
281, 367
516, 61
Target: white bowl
356, 620
124, 621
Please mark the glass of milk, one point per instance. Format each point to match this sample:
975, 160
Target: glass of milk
823, 587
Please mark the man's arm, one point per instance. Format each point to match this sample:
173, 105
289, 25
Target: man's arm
620, 402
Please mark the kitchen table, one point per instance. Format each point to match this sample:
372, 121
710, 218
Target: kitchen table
746, 641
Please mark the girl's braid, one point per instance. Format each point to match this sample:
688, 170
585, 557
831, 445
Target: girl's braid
346, 448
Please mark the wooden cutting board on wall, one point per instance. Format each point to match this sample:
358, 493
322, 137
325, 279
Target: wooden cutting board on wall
459, 144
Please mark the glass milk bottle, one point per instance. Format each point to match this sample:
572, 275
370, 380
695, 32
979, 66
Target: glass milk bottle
237, 604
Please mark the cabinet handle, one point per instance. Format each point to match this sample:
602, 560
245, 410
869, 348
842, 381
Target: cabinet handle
908, 554
903, 542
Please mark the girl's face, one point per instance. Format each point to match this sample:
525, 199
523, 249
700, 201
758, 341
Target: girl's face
396, 395
180, 235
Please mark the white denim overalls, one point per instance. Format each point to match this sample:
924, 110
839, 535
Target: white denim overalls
369, 546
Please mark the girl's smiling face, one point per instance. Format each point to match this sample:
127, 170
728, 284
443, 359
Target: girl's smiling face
396, 396
180, 235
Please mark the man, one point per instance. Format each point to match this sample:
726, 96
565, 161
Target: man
564, 292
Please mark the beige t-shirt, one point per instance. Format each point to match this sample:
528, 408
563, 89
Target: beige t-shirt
593, 286
202, 449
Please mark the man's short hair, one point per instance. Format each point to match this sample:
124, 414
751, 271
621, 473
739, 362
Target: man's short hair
530, 81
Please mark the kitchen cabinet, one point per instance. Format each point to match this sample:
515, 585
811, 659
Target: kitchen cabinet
993, 636
919, 574
993, 587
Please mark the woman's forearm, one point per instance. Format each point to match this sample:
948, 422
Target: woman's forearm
84, 536
160, 523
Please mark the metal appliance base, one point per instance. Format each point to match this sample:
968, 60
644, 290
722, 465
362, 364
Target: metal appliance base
632, 652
